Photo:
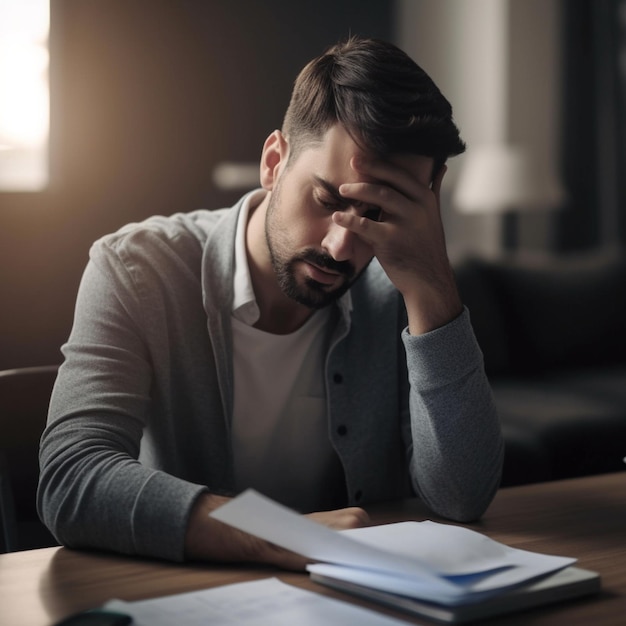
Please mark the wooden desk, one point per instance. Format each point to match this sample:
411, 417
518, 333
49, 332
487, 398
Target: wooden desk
583, 518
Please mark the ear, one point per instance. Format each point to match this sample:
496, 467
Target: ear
273, 159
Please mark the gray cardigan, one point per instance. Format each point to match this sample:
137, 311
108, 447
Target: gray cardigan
139, 420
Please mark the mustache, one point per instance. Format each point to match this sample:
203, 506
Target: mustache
325, 261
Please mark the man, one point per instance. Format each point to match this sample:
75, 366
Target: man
309, 342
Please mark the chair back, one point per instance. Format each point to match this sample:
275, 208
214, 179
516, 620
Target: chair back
24, 399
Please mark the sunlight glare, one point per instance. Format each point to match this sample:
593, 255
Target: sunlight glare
24, 94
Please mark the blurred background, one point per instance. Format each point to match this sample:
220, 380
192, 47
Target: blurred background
140, 102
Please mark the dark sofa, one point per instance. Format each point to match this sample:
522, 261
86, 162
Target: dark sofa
553, 334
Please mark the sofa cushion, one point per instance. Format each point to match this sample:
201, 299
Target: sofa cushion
553, 333
567, 313
563, 425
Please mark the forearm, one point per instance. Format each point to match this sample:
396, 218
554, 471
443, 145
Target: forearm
433, 307
458, 460
432, 298
208, 539
457, 442
94, 496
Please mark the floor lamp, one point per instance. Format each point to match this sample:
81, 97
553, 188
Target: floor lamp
505, 179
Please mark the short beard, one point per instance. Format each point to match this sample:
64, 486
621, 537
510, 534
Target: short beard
311, 294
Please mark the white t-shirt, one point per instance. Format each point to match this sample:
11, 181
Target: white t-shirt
281, 443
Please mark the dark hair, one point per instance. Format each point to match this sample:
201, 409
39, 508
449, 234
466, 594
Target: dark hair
385, 101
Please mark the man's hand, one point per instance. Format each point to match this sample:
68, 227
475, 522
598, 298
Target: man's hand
208, 539
409, 239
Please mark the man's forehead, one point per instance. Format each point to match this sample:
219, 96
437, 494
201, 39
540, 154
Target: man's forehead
332, 154
339, 143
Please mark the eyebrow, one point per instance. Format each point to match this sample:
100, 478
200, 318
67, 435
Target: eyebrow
331, 190
337, 197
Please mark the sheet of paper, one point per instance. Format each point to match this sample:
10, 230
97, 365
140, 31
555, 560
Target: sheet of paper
467, 553
444, 558
255, 514
255, 603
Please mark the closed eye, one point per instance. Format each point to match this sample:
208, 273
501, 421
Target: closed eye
331, 204
330, 198
373, 212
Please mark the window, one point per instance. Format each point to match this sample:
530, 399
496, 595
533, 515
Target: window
24, 94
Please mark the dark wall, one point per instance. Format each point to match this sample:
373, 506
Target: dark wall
594, 125
146, 97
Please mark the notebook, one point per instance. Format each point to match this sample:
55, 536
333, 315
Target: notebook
572, 582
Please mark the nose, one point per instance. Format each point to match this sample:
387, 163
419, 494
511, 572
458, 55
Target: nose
339, 242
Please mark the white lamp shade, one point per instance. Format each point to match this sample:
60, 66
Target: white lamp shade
501, 177
236, 176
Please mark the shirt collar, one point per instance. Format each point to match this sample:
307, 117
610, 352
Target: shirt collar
245, 307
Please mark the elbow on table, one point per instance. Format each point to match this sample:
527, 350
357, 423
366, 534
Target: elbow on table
53, 513
463, 512
65, 502
462, 504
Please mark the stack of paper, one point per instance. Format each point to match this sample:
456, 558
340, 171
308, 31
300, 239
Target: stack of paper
434, 569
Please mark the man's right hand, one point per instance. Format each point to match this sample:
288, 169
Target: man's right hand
208, 539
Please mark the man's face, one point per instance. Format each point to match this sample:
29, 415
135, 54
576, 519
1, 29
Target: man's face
316, 260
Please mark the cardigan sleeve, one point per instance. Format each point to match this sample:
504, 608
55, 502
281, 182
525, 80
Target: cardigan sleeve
93, 490
457, 450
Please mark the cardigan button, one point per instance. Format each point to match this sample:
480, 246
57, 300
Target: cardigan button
342, 430
337, 378
358, 495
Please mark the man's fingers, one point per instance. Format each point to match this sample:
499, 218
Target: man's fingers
366, 229
342, 519
374, 195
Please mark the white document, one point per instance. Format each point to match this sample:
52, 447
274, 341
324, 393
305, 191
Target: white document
443, 562
470, 559
256, 603
257, 515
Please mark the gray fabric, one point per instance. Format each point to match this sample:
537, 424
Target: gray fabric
139, 420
